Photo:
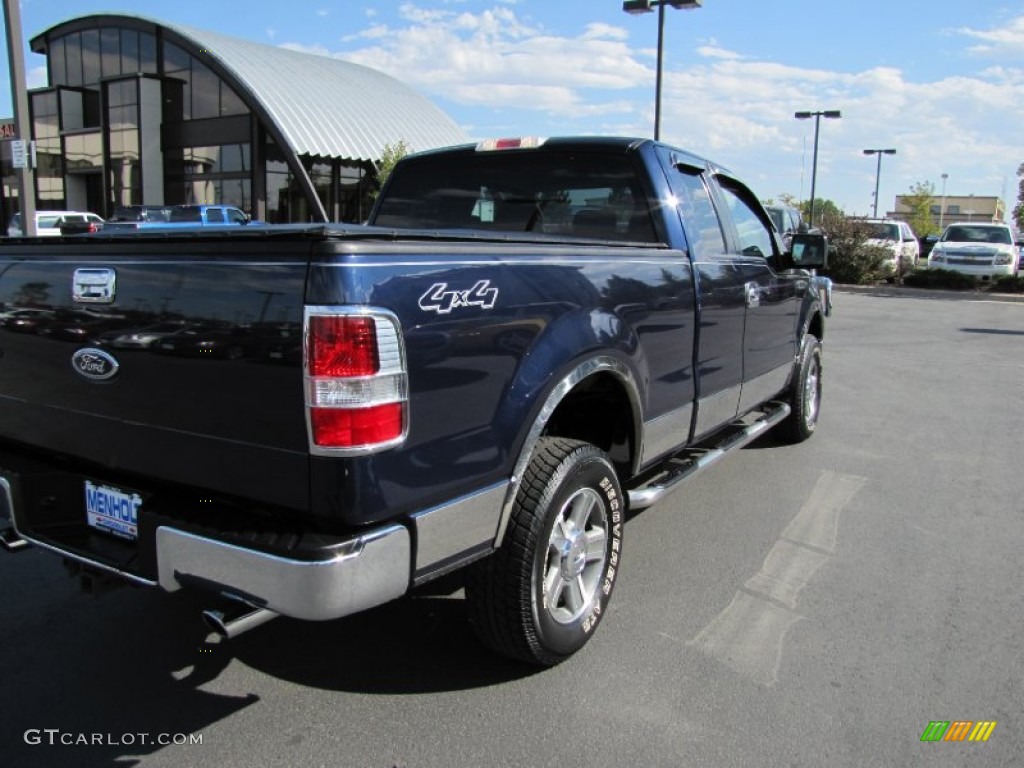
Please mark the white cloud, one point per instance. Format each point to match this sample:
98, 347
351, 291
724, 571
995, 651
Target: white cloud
1007, 40
496, 72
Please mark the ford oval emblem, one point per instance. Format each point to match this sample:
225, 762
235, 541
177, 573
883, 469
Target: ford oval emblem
94, 364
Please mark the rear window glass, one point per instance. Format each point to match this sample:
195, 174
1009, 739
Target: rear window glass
582, 194
879, 231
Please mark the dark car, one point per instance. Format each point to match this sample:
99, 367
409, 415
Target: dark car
787, 220
139, 338
157, 213
225, 343
74, 325
24, 320
80, 224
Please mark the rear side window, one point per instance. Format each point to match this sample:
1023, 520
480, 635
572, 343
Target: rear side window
186, 214
581, 194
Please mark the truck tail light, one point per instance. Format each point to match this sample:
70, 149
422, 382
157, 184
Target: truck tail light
357, 391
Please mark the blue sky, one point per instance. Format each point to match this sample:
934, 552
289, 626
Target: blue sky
942, 82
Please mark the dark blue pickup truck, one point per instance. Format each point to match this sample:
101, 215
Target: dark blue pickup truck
530, 340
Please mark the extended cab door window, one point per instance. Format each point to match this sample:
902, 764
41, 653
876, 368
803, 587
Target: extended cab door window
753, 228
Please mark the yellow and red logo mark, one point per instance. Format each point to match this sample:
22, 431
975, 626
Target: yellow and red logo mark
958, 730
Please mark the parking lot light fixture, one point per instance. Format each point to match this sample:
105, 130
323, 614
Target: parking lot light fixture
878, 171
637, 7
832, 114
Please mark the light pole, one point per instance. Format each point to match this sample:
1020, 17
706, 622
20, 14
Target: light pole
636, 7
22, 120
942, 208
828, 113
878, 171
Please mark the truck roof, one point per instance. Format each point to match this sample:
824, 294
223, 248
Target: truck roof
562, 143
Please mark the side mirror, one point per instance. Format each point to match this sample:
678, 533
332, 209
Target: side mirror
809, 251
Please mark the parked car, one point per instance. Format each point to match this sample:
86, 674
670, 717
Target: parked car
981, 249
47, 222
201, 340
897, 237
184, 217
80, 224
787, 220
24, 320
152, 213
139, 338
926, 244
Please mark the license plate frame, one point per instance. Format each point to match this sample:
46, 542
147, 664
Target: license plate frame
112, 510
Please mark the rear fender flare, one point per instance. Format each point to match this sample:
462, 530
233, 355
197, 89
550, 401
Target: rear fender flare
584, 370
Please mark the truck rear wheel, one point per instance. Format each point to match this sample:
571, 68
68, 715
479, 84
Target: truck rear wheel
805, 393
539, 598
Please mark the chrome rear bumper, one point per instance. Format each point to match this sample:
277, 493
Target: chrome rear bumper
365, 571
373, 569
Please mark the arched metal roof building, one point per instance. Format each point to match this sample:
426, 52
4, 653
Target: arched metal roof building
140, 111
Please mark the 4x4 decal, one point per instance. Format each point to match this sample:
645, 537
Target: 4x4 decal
441, 300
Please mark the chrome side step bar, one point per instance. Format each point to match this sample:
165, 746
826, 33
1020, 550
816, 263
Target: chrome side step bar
11, 541
689, 462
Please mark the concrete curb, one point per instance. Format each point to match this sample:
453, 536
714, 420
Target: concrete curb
902, 291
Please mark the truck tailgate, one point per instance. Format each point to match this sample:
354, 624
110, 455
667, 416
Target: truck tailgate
175, 360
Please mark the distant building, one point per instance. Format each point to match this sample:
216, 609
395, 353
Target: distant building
139, 111
950, 208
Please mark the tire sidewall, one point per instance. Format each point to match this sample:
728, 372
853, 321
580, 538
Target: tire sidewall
584, 468
809, 360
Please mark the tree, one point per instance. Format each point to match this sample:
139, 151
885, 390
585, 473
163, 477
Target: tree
1018, 209
825, 212
389, 158
919, 201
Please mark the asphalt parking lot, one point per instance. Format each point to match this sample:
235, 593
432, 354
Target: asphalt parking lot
810, 605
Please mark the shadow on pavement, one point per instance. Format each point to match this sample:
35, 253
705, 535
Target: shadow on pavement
100, 681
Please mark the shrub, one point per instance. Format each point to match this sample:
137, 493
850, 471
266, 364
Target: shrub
1006, 284
940, 278
850, 259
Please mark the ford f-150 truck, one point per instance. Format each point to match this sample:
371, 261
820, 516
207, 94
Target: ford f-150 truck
530, 340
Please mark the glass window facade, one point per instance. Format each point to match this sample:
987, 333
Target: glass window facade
124, 159
145, 117
49, 160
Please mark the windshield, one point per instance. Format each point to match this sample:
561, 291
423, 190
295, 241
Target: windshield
978, 234
883, 231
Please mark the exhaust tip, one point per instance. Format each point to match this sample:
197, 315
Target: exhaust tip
228, 626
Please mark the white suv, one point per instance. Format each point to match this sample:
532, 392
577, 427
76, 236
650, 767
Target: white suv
897, 237
980, 249
48, 222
